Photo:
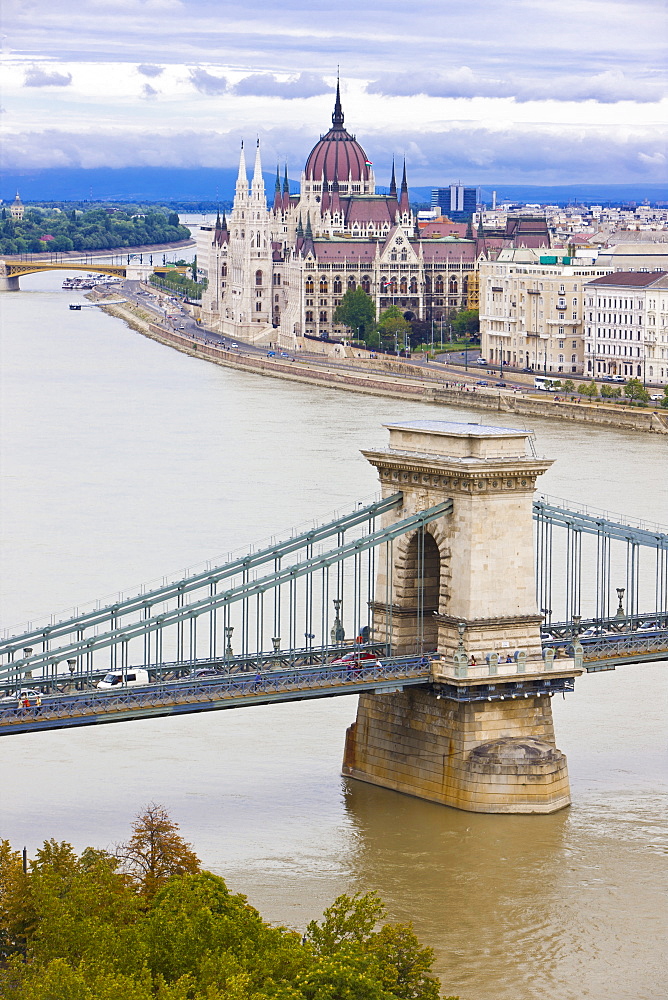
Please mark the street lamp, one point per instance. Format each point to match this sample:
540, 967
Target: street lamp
229, 629
621, 613
337, 633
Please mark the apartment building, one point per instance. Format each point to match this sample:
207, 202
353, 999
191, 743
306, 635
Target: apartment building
531, 310
626, 326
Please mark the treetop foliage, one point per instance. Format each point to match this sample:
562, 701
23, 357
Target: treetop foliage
147, 923
94, 229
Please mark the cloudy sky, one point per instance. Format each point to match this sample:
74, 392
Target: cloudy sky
498, 91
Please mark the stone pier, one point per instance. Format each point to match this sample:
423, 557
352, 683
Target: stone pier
480, 736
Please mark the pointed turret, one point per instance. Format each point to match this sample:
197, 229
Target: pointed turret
278, 198
224, 224
286, 190
218, 226
309, 232
404, 203
242, 179
300, 226
325, 199
337, 117
335, 201
393, 183
257, 184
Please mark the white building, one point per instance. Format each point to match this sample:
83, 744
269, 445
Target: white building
531, 310
626, 326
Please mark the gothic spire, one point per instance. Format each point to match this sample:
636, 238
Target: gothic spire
242, 179
278, 200
393, 182
309, 232
300, 226
337, 117
404, 203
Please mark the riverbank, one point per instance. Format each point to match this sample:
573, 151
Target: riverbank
425, 384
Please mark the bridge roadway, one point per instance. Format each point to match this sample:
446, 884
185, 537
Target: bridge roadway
229, 690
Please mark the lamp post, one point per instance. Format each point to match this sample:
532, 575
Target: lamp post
276, 643
337, 633
620, 613
229, 629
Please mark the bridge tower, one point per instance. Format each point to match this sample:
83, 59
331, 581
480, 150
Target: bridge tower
481, 736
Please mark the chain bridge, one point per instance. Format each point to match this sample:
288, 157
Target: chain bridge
451, 615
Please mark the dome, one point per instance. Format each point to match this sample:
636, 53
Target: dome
337, 154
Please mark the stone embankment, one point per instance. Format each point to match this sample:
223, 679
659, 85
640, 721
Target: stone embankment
401, 381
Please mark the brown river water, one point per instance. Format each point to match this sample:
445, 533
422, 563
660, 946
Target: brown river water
123, 460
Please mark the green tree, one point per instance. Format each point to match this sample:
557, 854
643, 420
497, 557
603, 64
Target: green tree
393, 328
610, 391
467, 323
591, 389
634, 389
155, 851
569, 385
664, 401
356, 311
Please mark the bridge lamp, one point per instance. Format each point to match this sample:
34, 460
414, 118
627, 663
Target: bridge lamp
71, 666
620, 596
276, 643
229, 629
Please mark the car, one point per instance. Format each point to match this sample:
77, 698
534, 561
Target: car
649, 627
357, 659
204, 672
481, 361
502, 385
234, 344
482, 382
593, 632
271, 354
617, 378
284, 355
657, 396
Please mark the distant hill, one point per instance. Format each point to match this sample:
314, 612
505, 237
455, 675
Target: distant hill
213, 186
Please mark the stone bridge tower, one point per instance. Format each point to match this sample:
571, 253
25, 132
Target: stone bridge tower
480, 737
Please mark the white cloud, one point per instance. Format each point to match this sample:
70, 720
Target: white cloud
208, 83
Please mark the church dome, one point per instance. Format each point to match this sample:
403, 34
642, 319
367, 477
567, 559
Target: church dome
337, 154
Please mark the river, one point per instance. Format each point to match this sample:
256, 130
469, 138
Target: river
123, 460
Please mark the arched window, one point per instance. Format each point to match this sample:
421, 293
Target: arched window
383, 285
223, 270
413, 286
453, 286
404, 255
393, 286
323, 316
351, 284
404, 286
465, 284
309, 286
324, 285
439, 284
427, 283
366, 284
258, 277
337, 285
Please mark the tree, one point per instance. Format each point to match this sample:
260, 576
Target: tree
466, 323
356, 311
194, 268
610, 391
569, 385
591, 390
156, 851
664, 401
393, 328
634, 389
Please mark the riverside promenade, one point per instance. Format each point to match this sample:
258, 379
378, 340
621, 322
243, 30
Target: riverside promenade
402, 381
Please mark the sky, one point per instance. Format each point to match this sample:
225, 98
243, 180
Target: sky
498, 91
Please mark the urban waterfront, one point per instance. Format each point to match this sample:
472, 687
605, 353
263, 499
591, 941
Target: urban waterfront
124, 460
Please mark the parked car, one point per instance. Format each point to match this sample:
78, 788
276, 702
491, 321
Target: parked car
481, 361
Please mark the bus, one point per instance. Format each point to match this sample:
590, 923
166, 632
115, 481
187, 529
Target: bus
546, 384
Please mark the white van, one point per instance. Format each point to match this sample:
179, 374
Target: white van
133, 678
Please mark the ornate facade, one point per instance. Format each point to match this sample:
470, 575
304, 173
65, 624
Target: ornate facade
276, 273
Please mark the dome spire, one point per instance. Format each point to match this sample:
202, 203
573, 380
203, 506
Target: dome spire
337, 117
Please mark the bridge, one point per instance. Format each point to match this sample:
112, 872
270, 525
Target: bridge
432, 602
12, 270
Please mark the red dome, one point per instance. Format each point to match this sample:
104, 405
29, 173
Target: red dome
337, 154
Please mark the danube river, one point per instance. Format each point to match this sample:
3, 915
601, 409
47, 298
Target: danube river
122, 461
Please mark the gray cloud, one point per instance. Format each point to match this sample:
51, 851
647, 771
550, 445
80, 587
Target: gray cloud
267, 85
608, 87
37, 77
147, 69
474, 154
148, 91
207, 83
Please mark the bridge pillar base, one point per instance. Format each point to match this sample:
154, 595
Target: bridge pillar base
489, 757
9, 283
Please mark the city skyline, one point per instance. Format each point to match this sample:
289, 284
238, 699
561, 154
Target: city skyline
535, 93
